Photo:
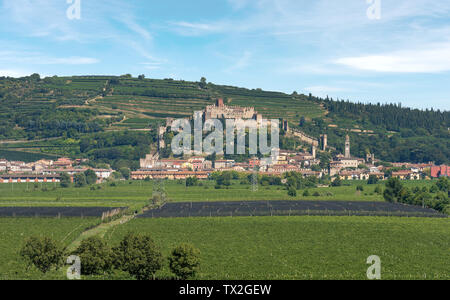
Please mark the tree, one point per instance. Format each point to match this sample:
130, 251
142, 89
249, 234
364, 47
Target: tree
373, 179
91, 177
443, 184
378, 190
95, 256
79, 180
393, 191
337, 182
141, 77
138, 255
360, 188
42, 252
64, 180
184, 261
125, 172
302, 121
292, 192
306, 193
202, 83
191, 181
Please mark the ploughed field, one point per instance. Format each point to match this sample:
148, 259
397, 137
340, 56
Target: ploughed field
288, 208
54, 211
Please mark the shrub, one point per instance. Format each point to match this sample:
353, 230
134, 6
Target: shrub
316, 194
138, 255
378, 190
393, 191
184, 261
65, 180
79, 180
360, 188
95, 255
337, 182
373, 179
306, 193
91, 177
43, 253
292, 192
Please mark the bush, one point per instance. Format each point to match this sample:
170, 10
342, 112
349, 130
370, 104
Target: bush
378, 190
191, 181
360, 188
96, 257
306, 193
43, 253
373, 179
393, 191
91, 177
337, 182
79, 180
292, 192
65, 180
138, 255
125, 172
184, 261
316, 194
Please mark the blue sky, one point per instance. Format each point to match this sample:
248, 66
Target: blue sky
325, 47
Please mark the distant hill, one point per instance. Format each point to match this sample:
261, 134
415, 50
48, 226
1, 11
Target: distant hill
88, 107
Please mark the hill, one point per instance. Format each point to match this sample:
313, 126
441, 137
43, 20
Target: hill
110, 118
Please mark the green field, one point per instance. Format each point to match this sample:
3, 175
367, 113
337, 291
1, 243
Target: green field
136, 194
305, 247
14, 231
24, 156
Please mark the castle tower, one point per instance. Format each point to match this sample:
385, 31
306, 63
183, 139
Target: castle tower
347, 147
219, 102
324, 142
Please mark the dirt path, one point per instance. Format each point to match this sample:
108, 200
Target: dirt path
99, 230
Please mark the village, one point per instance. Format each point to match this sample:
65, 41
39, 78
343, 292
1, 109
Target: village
344, 166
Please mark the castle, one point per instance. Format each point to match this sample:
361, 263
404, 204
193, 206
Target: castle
222, 111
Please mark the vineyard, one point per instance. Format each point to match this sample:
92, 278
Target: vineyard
305, 247
288, 208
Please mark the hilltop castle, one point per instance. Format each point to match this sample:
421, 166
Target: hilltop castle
222, 111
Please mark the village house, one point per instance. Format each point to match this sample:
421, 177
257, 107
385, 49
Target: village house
181, 174
63, 162
440, 171
223, 164
23, 178
406, 174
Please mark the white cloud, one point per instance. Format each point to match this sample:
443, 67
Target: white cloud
241, 62
14, 73
432, 60
34, 58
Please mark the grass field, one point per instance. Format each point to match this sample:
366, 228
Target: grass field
137, 193
305, 247
14, 231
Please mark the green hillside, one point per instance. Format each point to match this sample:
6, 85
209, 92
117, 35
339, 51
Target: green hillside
63, 113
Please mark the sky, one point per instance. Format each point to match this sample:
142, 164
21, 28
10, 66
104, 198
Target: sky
360, 50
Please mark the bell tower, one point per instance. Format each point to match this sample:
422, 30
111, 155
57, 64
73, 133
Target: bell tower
347, 147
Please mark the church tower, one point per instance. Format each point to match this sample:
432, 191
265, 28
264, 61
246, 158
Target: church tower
347, 147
